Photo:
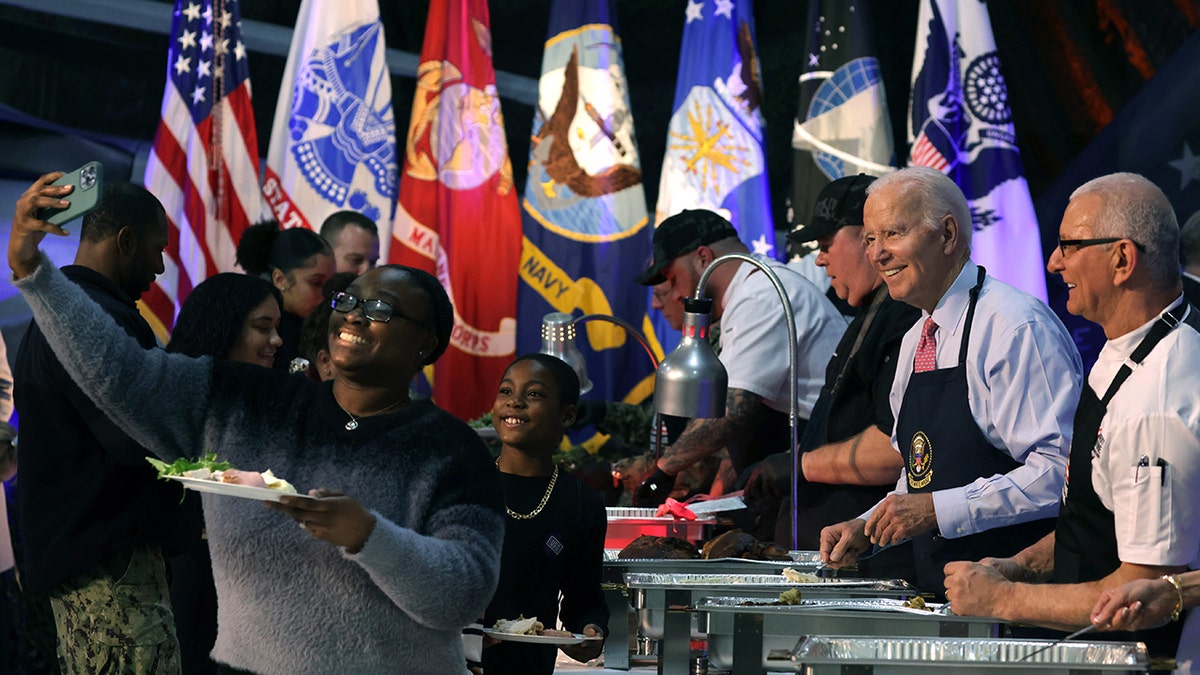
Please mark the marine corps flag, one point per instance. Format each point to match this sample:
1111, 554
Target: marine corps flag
458, 215
960, 124
586, 234
842, 126
715, 157
333, 143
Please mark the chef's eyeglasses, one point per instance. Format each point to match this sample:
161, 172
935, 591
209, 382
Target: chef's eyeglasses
1084, 243
374, 310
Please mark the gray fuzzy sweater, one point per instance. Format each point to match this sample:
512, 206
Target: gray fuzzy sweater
288, 602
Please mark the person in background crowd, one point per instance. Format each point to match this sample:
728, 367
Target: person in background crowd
9, 609
228, 316
314, 360
398, 544
984, 392
93, 516
297, 262
847, 457
753, 344
1131, 505
1189, 257
554, 534
355, 241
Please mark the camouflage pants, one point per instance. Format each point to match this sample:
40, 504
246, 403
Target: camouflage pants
116, 618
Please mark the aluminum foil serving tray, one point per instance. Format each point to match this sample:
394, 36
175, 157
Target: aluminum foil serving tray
615, 568
817, 655
798, 559
734, 582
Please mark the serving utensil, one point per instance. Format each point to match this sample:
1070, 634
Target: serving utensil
1086, 629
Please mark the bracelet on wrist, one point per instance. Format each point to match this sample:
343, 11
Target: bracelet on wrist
1174, 581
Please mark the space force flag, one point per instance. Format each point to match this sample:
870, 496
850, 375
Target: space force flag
458, 215
960, 123
333, 143
204, 163
715, 157
842, 126
585, 220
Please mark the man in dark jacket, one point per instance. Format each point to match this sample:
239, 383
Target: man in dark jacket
93, 515
847, 462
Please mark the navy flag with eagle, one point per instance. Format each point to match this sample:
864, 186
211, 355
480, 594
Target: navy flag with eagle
586, 234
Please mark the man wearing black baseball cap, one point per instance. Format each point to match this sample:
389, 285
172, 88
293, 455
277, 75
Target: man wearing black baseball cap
753, 341
848, 463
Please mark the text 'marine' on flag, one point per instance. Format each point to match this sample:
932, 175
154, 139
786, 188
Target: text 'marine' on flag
714, 157
458, 214
204, 163
333, 142
585, 221
842, 126
960, 123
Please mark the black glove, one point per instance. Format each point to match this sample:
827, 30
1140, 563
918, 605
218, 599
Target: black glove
655, 489
589, 412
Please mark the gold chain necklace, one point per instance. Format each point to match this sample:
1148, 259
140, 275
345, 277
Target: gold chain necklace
353, 423
541, 505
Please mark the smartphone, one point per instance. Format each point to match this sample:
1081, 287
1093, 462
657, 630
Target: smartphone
88, 181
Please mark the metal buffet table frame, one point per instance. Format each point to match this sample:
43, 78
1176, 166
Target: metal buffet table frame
671, 600
616, 592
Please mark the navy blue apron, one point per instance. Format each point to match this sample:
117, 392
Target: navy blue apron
945, 449
1085, 538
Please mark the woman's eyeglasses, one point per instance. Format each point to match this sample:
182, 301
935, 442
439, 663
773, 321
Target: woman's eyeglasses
374, 310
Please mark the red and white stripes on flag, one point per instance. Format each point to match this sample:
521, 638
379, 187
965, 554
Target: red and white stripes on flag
204, 163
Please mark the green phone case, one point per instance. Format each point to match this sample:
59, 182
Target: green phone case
89, 182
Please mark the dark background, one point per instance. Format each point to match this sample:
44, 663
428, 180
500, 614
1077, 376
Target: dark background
1070, 65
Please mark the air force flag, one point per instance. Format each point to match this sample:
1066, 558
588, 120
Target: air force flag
333, 143
715, 157
960, 124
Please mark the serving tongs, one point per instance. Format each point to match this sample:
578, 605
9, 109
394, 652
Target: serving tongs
1086, 629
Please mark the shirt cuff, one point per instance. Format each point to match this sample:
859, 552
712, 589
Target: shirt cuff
953, 516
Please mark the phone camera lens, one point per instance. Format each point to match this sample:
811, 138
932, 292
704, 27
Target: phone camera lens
87, 178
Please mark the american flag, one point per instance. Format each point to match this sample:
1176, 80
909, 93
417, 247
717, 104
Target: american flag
203, 166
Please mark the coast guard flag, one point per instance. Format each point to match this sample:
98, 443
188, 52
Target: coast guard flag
842, 126
586, 235
204, 163
333, 143
960, 124
715, 157
458, 214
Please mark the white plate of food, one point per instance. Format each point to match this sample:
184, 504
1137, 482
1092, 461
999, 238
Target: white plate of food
559, 638
230, 489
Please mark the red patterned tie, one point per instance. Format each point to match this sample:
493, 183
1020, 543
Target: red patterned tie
926, 358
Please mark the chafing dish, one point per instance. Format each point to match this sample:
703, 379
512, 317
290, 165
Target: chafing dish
665, 603
905, 656
743, 631
627, 523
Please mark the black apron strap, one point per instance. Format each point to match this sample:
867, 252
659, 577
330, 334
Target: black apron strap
1165, 324
962, 352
